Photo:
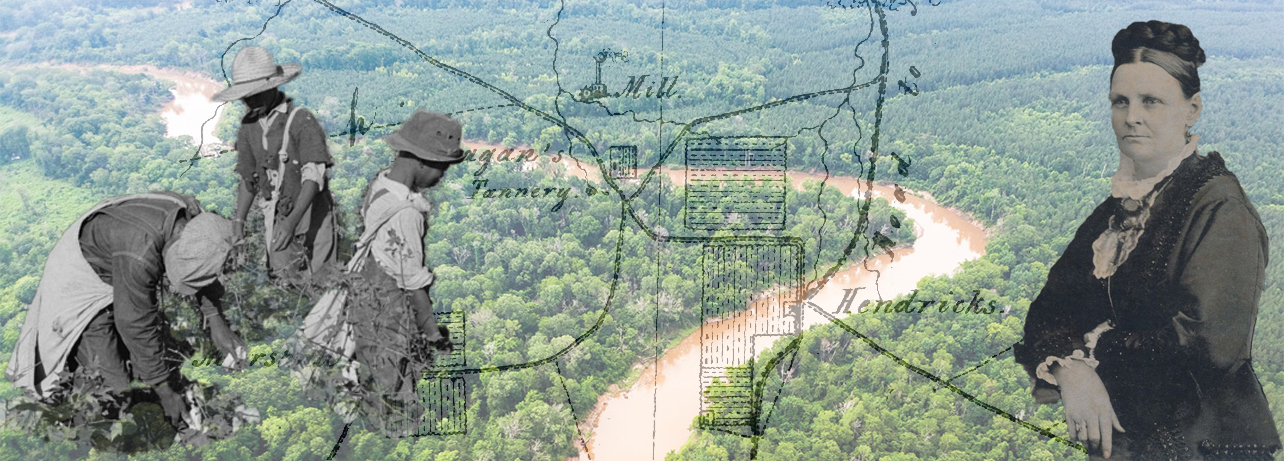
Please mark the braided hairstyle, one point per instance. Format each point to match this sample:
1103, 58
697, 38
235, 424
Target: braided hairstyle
1170, 46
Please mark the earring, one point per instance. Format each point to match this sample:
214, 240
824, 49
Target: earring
1188, 136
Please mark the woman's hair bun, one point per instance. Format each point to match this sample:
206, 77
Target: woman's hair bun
1160, 36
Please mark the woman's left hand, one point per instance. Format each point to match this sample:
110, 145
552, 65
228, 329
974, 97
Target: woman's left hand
1089, 413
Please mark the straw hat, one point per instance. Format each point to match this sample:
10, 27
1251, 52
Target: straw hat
431, 136
254, 70
196, 258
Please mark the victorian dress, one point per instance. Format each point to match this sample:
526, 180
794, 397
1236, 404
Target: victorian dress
1158, 290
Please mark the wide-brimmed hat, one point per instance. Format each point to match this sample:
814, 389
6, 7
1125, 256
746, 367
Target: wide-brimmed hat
196, 258
253, 71
431, 136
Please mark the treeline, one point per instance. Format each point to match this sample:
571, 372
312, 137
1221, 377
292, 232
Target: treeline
100, 131
723, 59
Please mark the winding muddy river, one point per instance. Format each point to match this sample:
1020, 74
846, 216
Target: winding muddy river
191, 113
654, 416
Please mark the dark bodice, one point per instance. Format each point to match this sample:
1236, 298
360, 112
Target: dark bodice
1183, 307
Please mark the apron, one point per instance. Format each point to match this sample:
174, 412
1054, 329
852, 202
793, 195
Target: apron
324, 327
70, 294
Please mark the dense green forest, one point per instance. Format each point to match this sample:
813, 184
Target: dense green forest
1009, 124
526, 295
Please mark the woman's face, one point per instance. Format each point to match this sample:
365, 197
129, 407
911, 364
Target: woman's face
1149, 113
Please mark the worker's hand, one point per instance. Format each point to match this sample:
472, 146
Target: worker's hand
171, 402
236, 258
282, 234
424, 347
235, 354
228, 342
1089, 414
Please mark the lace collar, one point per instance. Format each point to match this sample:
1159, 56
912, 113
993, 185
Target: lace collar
1124, 185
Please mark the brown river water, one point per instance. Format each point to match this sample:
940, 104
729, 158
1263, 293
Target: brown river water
191, 107
655, 415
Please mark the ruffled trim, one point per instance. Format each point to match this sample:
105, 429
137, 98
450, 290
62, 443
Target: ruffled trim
1090, 342
1091, 337
1042, 371
1116, 243
1113, 246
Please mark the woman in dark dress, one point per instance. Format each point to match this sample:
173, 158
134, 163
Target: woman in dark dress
1144, 328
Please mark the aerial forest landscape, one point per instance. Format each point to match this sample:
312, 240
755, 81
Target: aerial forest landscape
915, 169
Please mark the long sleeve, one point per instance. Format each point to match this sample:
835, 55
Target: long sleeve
1071, 303
1221, 267
135, 279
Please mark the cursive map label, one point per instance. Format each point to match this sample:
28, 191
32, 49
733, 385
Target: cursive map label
562, 193
488, 156
911, 305
634, 87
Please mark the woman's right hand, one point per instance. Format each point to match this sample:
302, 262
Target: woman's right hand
1089, 414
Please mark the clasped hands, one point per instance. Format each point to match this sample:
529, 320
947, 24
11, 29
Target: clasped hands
1089, 414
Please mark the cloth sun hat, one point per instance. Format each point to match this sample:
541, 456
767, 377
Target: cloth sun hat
431, 136
253, 71
196, 258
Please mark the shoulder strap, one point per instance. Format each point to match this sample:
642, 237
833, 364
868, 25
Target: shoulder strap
368, 236
282, 156
285, 139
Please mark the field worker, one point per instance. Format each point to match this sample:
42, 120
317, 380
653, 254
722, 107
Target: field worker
387, 322
96, 305
281, 156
